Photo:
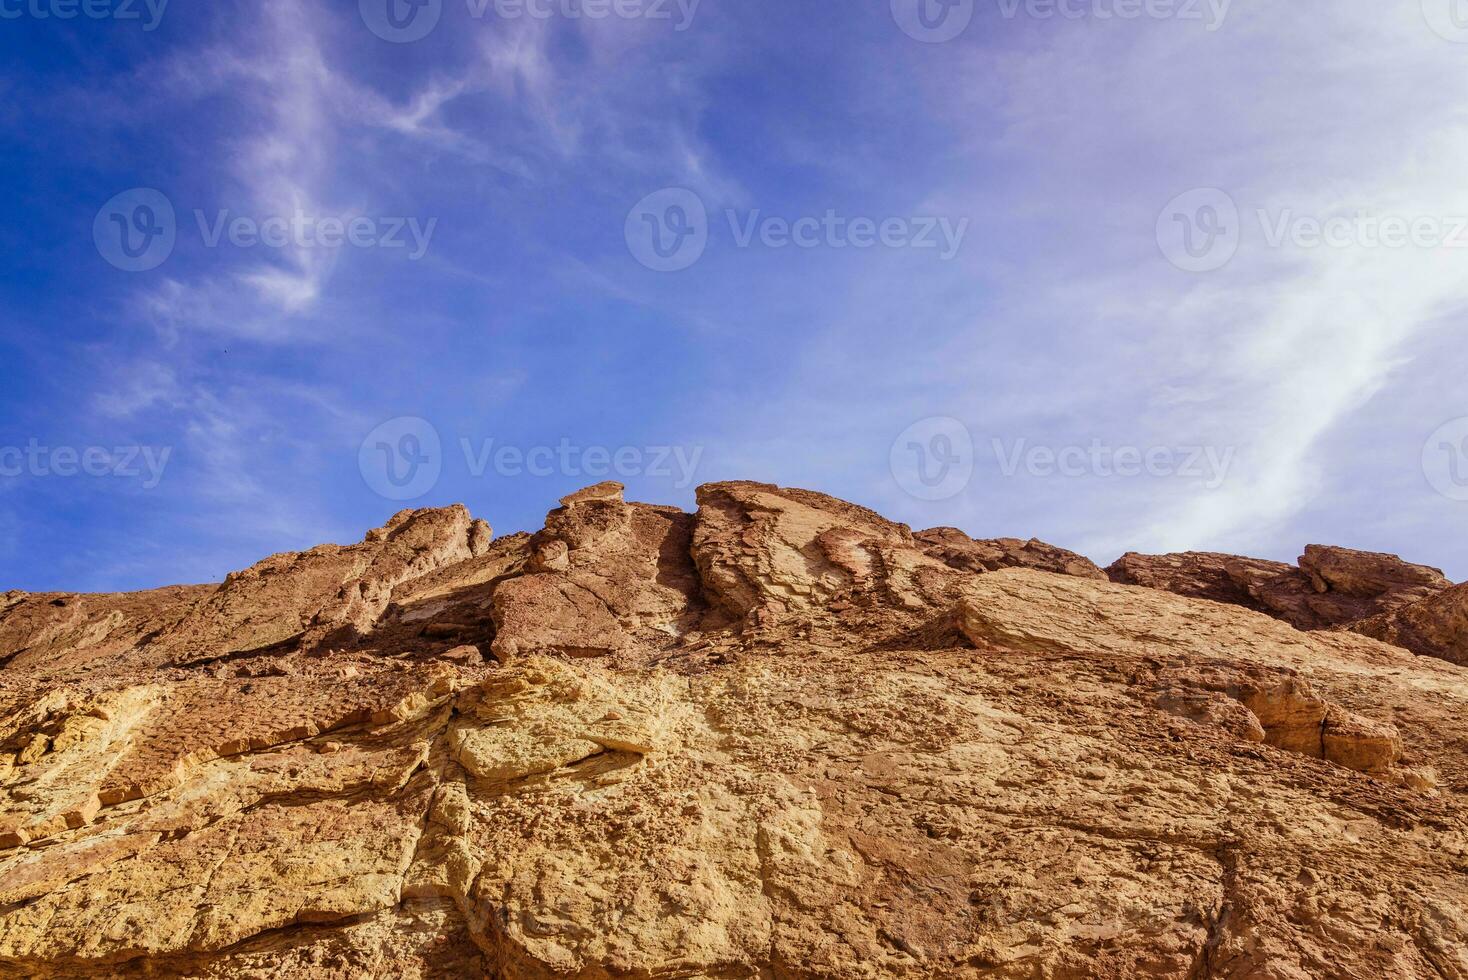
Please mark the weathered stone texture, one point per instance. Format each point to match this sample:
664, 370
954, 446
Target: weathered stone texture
781, 737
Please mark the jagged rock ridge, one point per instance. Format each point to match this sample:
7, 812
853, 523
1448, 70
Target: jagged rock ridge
781, 737
1412, 606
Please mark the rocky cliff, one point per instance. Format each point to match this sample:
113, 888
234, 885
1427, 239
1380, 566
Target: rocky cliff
781, 737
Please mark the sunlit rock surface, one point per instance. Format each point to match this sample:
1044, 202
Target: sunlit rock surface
780, 737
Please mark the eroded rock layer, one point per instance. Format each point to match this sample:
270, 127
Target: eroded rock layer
780, 737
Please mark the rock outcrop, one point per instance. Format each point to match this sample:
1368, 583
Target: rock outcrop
781, 737
1331, 587
1203, 575
326, 590
1435, 627
958, 550
603, 577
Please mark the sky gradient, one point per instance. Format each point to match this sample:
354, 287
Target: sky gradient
1121, 276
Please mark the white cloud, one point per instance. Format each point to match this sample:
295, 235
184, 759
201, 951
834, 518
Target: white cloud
135, 387
1321, 110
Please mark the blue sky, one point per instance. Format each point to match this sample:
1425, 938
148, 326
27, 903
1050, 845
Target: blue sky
948, 277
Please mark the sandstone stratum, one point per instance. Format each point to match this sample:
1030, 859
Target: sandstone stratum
780, 737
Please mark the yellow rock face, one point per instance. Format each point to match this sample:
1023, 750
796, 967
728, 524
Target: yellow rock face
784, 739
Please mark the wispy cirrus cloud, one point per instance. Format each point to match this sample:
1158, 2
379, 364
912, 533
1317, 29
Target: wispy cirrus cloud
1059, 320
1295, 112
